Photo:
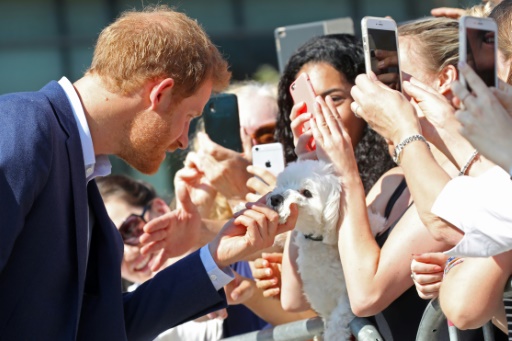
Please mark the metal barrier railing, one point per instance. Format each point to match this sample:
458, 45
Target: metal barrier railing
433, 318
430, 326
307, 329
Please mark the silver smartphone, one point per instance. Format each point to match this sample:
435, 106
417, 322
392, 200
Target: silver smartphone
380, 43
289, 38
269, 156
478, 41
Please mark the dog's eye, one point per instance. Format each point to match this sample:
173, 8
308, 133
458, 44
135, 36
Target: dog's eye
307, 193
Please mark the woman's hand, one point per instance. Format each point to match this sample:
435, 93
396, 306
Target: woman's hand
427, 273
333, 142
267, 273
387, 111
261, 183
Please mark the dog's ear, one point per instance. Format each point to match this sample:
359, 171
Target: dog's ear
332, 211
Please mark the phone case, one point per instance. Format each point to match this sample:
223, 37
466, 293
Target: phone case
289, 38
475, 49
302, 91
381, 34
221, 121
269, 156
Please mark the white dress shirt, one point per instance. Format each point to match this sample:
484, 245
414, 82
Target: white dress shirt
482, 208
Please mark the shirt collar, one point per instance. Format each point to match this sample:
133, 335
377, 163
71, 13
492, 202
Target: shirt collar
94, 166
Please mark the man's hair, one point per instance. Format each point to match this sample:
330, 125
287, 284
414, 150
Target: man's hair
437, 41
135, 192
154, 43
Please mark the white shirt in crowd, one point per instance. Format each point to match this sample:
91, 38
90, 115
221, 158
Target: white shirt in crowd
482, 208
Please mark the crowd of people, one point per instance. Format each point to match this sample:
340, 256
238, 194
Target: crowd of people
98, 256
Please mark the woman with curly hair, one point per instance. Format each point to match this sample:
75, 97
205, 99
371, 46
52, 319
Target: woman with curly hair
340, 56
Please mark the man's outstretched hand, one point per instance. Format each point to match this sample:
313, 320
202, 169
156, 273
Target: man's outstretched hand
249, 231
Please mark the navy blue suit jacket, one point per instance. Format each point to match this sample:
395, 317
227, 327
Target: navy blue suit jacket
48, 289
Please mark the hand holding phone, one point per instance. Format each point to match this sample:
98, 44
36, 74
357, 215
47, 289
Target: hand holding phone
302, 91
478, 46
221, 121
380, 43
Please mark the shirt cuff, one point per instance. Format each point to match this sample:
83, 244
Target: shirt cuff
219, 277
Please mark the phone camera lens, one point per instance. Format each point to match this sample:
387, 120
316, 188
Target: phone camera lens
257, 149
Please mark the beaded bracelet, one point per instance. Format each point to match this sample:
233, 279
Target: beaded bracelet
469, 162
451, 262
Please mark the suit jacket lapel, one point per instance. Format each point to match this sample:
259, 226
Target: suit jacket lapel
64, 114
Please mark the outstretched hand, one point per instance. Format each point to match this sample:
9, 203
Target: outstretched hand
249, 231
267, 273
174, 233
224, 168
239, 290
262, 182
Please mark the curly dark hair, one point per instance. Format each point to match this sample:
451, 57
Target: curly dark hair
344, 53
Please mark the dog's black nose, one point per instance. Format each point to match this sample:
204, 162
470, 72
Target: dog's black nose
276, 200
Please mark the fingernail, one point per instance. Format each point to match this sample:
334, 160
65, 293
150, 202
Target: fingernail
268, 272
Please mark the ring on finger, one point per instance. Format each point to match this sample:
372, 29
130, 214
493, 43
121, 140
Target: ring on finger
355, 111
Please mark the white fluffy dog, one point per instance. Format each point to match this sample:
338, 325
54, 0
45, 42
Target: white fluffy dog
316, 190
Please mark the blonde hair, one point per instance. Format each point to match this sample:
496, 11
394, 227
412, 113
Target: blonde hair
154, 43
502, 14
437, 41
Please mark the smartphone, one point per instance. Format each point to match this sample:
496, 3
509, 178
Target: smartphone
289, 38
380, 43
478, 45
302, 91
269, 156
221, 121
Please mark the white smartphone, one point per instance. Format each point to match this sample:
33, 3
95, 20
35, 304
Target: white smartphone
380, 43
478, 41
269, 156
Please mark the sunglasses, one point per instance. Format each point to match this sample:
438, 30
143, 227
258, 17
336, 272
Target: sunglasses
264, 134
132, 228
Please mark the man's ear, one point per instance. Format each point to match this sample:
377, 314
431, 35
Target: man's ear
448, 75
160, 94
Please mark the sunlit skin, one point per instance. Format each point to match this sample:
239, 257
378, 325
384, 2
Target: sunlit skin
326, 80
155, 131
411, 62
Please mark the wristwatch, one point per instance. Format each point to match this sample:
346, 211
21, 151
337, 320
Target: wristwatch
399, 147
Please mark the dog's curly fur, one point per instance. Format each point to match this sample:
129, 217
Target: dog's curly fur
316, 190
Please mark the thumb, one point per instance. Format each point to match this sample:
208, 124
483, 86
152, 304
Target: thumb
183, 200
246, 143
